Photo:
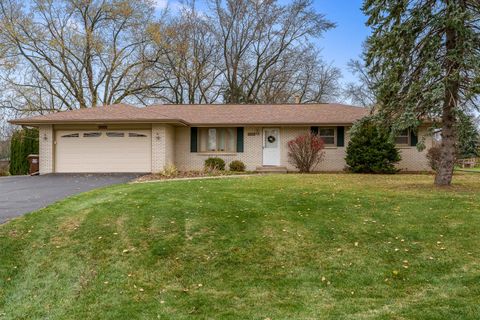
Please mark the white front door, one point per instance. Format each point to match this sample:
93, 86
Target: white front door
271, 146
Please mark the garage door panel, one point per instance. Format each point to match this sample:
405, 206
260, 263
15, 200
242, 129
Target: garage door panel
103, 153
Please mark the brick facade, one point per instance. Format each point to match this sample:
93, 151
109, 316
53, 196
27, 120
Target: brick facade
334, 157
171, 145
414, 160
163, 145
46, 150
186, 160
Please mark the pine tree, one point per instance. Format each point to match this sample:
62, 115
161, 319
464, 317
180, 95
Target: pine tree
24, 142
426, 57
371, 150
468, 137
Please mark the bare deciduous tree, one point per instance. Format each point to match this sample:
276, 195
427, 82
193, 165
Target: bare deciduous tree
256, 35
68, 54
360, 92
190, 67
301, 75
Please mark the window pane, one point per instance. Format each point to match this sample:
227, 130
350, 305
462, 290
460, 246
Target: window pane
328, 140
217, 139
231, 140
212, 139
71, 135
221, 139
326, 132
115, 134
203, 139
136, 135
92, 134
401, 140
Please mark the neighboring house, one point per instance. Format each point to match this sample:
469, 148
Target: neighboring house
123, 138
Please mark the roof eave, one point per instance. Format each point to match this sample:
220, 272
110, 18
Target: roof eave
335, 123
35, 123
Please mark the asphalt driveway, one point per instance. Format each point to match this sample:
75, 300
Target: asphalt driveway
22, 194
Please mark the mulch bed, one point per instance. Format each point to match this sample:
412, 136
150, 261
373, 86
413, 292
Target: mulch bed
189, 174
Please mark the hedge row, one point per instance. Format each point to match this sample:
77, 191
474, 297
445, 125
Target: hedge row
23, 143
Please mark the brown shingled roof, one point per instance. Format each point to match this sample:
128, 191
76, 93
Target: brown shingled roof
215, 114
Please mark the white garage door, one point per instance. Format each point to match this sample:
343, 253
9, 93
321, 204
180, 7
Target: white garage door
103, 151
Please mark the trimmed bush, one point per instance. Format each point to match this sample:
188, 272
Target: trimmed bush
237, 165
23, 143
371, 150
170, 170
305, 151
4, 169
434, 156
214, 163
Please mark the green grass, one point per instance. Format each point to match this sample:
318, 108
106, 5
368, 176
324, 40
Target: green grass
476, 169
269, 247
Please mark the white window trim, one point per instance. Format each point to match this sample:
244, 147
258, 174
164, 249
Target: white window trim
329, 146
218, 152
404, 145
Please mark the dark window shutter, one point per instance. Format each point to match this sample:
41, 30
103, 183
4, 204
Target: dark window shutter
340, 136
193, 139
240, 139
314, 130
413, 138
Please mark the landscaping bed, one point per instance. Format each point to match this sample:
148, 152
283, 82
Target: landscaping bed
191, 174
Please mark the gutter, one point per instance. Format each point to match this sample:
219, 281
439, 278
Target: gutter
34, 123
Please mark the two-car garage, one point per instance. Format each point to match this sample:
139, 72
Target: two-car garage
103, 151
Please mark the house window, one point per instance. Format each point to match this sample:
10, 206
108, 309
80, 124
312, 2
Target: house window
217, 140
327, 135
403, 138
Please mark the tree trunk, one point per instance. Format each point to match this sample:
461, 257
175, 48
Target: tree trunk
452, 87
447, 160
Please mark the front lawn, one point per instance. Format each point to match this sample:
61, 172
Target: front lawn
269, 247
476, 169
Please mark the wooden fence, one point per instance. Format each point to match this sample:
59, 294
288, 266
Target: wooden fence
468, 162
